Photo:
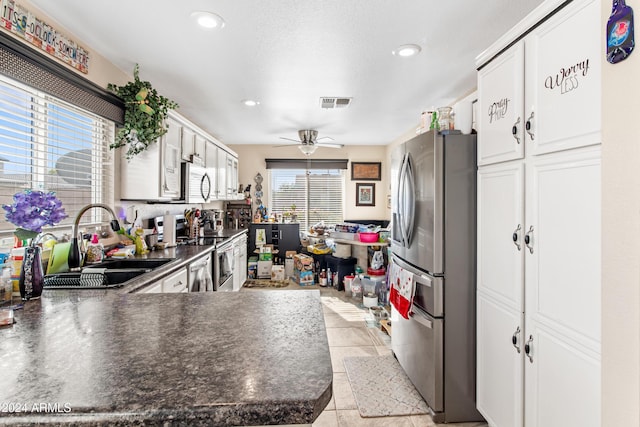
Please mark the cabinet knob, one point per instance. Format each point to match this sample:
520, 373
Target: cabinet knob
527, 348
528, 239
514, 339
528, 126
514, 130
516, 236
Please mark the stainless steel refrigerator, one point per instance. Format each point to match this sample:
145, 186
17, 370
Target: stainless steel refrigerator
433, 236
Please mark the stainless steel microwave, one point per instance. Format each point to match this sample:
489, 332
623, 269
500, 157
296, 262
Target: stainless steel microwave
199, 183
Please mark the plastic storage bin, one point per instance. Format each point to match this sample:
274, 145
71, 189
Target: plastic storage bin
344, 267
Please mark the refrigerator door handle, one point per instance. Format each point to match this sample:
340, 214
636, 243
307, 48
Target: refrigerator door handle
401, 200
427, 280
410, 219
420, 318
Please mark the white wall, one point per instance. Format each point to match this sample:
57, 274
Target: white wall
251, 159
621, 236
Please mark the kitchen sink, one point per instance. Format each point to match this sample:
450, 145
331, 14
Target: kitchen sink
79, 280
128, 263
107, 274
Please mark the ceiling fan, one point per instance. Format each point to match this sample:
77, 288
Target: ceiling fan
309, 141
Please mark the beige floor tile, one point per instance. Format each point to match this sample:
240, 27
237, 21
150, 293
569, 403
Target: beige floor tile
348, 337
336, 320
342, 392
422, 421
352, 418
331, 406
383, 350
426, 421
326, 419
339, 353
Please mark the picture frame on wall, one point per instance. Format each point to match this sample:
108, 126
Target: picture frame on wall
366, 171
365, 194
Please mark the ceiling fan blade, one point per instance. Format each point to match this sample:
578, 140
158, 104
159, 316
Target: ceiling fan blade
290, 139
324, 138
286, 145
329, 145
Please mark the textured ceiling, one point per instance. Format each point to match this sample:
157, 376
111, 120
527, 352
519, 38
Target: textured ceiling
289, 53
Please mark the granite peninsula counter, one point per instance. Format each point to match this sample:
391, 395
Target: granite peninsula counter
98, 357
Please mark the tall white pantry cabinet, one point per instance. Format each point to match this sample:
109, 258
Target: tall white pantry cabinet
538, 288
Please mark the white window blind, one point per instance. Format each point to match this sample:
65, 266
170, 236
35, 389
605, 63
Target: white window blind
316, 193
47, 144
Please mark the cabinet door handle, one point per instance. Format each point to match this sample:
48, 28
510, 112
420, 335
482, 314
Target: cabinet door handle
528, 126
516, 237
527, 348
514, 339
514, 130
528, 239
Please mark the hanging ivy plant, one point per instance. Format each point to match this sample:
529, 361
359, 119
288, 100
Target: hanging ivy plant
145, 111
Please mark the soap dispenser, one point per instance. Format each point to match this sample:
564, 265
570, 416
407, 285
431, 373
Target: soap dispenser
95, 251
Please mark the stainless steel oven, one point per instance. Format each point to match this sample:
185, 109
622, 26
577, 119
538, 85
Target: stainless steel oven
223, 267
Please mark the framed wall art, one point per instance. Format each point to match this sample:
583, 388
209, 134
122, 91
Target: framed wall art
366, 171
365, 194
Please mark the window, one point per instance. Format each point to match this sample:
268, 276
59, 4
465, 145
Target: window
48, 144
316, 193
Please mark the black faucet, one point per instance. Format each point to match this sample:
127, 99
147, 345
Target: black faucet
75, 260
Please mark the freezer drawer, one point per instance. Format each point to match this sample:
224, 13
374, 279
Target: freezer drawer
417, 343
429, 289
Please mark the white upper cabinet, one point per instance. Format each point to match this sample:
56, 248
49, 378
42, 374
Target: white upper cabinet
500, 107
155, 173
542, 95
200, 147
188, 138
563, 78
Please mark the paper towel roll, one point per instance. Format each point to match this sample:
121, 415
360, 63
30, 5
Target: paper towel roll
169, 229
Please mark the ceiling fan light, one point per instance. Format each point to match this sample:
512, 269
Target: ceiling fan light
407, 50
208, 20
308, 149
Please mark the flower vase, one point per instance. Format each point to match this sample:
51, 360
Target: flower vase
31, 274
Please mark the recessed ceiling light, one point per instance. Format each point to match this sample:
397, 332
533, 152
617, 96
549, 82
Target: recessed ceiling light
208, 20
250, 102
407, 50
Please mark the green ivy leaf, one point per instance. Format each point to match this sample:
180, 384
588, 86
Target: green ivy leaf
148, 126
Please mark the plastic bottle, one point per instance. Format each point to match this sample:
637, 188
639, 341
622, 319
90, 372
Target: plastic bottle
329, 278
95, 251
6, 285
356, 289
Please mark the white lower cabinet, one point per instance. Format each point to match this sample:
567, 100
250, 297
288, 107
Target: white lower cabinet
155, 288
499, 375
176, 282
538, 290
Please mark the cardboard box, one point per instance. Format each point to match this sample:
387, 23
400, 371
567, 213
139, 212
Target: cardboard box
265, 256
264, 269
302, 262
277, 272
303, 278
252, 268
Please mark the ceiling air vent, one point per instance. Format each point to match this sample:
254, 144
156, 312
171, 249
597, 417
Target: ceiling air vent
333, 102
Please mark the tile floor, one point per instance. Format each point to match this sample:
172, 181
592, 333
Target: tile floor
349, 335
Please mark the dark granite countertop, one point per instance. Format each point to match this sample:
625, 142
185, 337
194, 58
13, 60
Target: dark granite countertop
215, 359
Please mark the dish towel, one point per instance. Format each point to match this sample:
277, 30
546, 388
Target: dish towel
402, 289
